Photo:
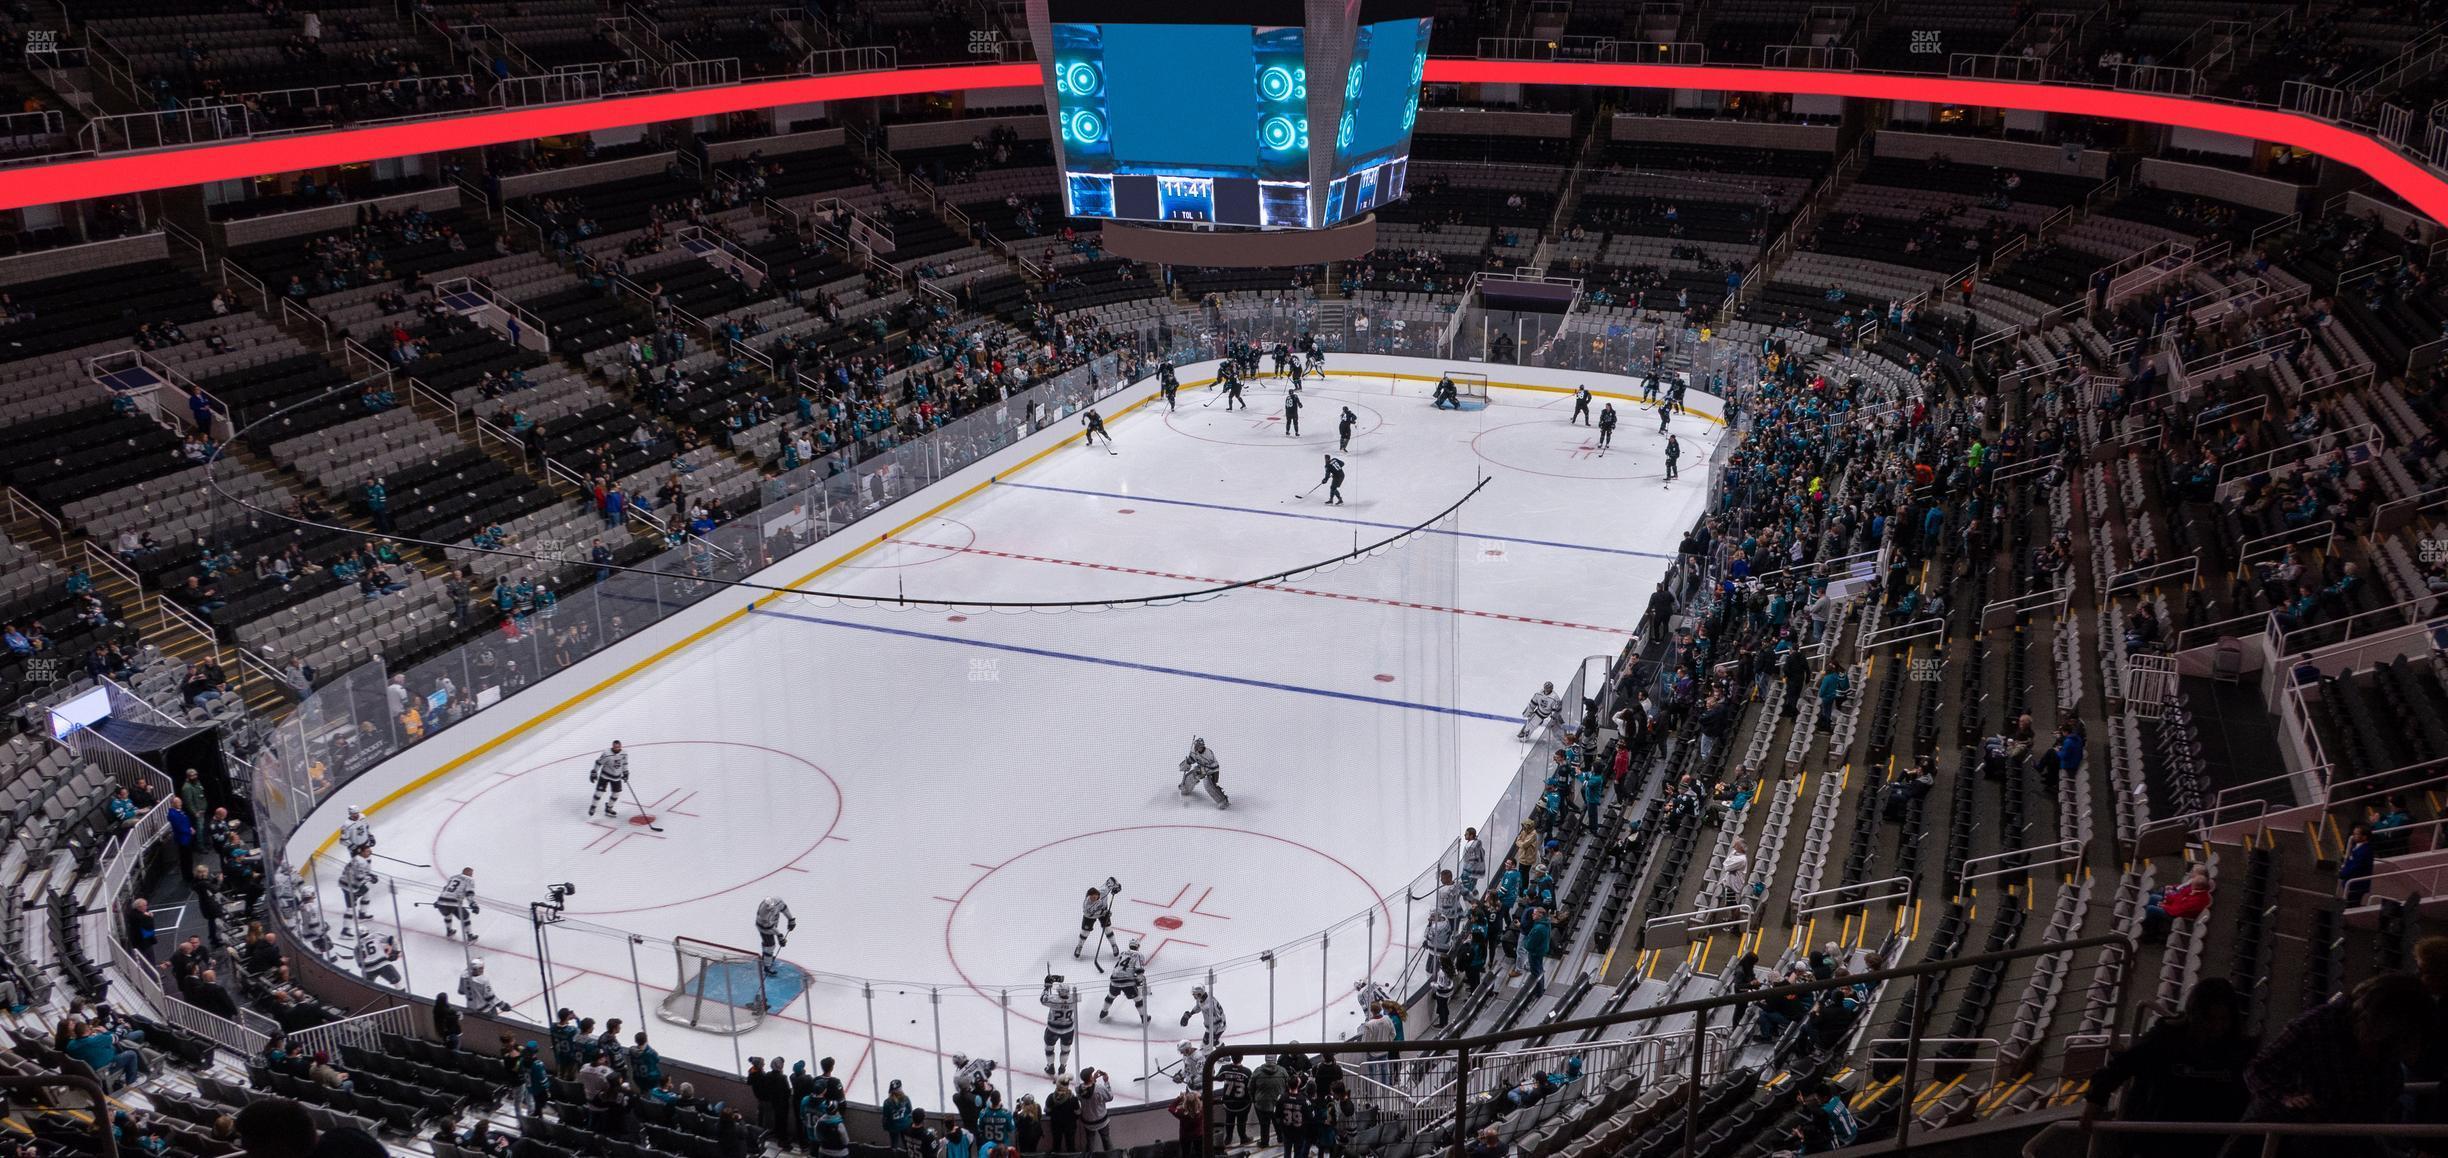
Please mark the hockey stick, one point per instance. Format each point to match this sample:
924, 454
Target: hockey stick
651, 826
1097, 958
1310, 491
396, 860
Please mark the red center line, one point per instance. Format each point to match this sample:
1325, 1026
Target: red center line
1349, 598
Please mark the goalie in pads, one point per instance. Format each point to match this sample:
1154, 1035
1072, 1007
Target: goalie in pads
775, 924
1201, 766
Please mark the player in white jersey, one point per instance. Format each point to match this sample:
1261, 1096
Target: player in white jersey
357, 888
1211, 1014
1192, 1064
289, 892
357, 834
1096, 911
1474, 860
375, 954
1371, 993
476, 994
457, 904
610, 776
1062, 1023
1128, 979
1201, 766
969, 1076
1450, 901
1541, 711
775, 924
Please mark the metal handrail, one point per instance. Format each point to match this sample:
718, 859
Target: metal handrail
1904, 898
1967, 877
2270, 1133
1699, 1008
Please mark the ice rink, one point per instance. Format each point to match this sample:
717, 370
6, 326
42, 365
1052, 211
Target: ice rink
932, 790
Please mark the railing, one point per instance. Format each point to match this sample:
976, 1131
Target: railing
2271, 1134
192, 125
861, 58
293, 313
254, 668
362, 1031
106, 58
701, 73
1995, 66
2011, 862
2186, 569
2281, 542
1899, 893
1472, 1070
1814, 57
23, 510
232, 271
179, 617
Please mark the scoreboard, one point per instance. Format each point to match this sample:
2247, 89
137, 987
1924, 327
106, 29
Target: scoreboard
1202, 113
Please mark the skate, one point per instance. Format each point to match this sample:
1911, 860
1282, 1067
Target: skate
1049, 1069
1104, 1014
591, 809
1075, 951
471, 936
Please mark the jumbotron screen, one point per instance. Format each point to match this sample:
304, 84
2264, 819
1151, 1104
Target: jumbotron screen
1201, 113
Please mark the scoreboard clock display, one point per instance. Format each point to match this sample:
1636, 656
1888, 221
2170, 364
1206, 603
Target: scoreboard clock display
1203, 114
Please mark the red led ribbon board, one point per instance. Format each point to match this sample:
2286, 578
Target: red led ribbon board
169, 168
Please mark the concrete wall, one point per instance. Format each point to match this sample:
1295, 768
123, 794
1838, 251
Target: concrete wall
88, 258
776, 146
327, 218
1495, 122
1734, 134
2028, 156
2221, 185
2392, 217
530, 184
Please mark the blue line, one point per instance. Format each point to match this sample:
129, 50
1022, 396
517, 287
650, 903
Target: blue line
1018, 649
1334, 519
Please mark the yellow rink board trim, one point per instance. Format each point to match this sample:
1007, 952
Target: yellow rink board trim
529, 724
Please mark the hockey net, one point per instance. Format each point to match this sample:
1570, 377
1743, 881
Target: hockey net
723, 989
1469, 384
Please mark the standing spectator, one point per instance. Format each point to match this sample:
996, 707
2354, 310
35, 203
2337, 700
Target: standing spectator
1096, 1093
378, 504
897, 1116
2188, 1068
140, 930
1190, 1118
1267, 1083
1536, 939
445, 1021
772, 1092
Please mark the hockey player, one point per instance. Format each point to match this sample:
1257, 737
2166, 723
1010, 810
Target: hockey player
1096, 427
1168, 382
1448, 397
1096, 911
375, 953
356, 834
1211, 1014
1128, 979
1292, 408
1450, 902
1541, 711
1438, 938
1474, 861
775, 924
1232, 392
610, 776
1333, 481
476, 994
1201, 766
1581, 405
1190, 1066
1062, 1023
1317, 357
1674, 450
457, 904
1371, 993
1606, 426
970, 1076
1343, 429
357, 888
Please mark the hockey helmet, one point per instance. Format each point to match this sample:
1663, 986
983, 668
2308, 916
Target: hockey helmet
1198, 741
1134, 945
1188, 1048
1358, 986
355, 812
1062, 993
960, 1059
1198, 991
475, 964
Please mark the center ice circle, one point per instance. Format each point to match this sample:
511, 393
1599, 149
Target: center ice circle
764, 809
1222, 896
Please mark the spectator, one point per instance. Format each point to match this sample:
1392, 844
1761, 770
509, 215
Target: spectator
1061, 1115
140, 929
2355, 868
2343, 1061
2188, 1068
99, 1049
445, 1021
275, 1128
2168, 906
